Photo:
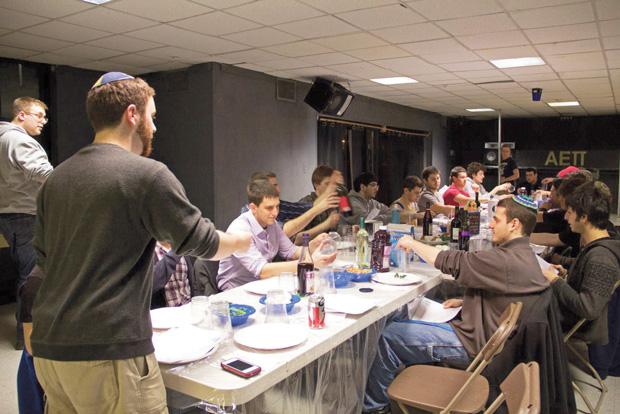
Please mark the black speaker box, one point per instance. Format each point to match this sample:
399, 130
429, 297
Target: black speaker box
328, 97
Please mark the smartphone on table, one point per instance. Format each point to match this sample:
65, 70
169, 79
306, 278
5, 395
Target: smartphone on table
239, 367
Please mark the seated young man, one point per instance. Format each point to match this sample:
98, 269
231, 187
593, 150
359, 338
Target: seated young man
324, 181
456, 195
475, 177
171, 277
407, 203
363, 202
268, 240
492, 280
430, 197
587, 289
294, 217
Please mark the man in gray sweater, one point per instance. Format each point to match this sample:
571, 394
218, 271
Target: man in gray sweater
23, 168
585, 290
98, 216
363, 203
492, 280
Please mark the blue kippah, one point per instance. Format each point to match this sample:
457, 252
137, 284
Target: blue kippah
525, 201
111, 77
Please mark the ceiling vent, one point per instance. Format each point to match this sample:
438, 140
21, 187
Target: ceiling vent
285, 90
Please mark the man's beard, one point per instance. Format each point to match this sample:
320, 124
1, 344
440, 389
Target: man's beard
146, 136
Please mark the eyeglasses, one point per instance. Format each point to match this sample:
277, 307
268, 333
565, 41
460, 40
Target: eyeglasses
39, 115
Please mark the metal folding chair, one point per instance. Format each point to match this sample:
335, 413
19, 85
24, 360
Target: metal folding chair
445, 390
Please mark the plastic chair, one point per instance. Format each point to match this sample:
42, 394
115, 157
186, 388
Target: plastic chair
444, 390
520, 390
591, 371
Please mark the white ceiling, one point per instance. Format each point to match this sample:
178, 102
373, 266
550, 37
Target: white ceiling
444, 44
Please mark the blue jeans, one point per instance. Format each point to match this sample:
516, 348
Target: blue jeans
18, 230
29, 392
408, 343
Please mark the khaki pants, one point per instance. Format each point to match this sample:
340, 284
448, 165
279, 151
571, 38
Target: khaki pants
131, 385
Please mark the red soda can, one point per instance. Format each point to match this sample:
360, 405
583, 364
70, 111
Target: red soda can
316, 311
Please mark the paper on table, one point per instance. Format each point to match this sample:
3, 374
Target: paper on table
544, 265
430, 311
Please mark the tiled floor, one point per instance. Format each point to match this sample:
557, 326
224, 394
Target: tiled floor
9, 359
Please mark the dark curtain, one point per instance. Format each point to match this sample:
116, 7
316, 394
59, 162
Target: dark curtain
398, 156
355, 149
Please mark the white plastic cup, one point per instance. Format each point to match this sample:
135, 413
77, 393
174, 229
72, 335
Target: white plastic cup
327, 282
220, 318
275, 306
200, 309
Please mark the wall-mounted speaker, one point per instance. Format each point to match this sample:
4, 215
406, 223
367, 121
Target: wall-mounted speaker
329, 97
490, 155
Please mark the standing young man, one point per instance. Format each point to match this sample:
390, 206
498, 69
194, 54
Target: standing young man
23, 168
509, 168
98, 217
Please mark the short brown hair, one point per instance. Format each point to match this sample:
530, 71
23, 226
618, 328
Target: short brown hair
106, 104
320, 173
411, 182
514, 210
428, 171
262, 175
592, 199
456, 171
474, 167
571, 182
258, 190
24, 103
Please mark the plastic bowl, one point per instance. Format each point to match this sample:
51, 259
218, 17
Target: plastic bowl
342, 279
239, 314
289, 306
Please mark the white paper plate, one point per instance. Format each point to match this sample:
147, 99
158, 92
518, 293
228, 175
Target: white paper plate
269, 336
261, 287
166, 318
184, 344
388, 278
351, 304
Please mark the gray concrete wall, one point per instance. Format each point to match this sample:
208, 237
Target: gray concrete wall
71, 130
253, 131
184, 137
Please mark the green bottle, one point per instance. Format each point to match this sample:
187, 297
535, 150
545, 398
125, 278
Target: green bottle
361, 246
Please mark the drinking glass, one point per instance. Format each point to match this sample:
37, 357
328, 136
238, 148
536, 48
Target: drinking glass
328, 247
288, 282
403, 260
200, 309
327, 282
275, 309
220, 318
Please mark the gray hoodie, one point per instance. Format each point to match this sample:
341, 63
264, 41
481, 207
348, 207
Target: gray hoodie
361, 207
587, 290
23, 168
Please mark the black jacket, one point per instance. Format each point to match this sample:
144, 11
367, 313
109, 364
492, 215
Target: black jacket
539, 338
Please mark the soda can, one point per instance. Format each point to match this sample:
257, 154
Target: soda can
316, 311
